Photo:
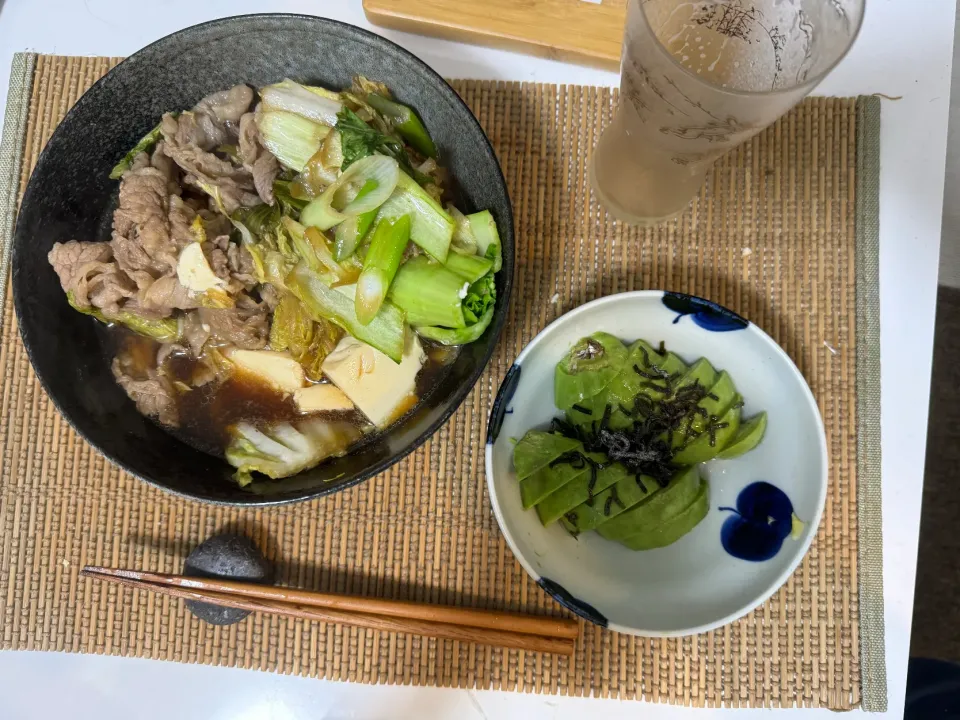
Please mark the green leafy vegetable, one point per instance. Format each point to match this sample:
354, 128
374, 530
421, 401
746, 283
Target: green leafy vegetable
309, 341
461, 336
478, 309
463, 240
431, 227
166, 330
359, 140
488, 239
470, 267
292, 139
429, 293
406, 122
385, 332
262, 233
285, 449
289, 205
145, 145
292, 327
316, 104
480, 298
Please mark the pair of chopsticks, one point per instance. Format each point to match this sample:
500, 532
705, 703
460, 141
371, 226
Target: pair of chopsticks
509, 630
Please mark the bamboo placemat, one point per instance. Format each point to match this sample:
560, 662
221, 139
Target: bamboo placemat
780, 233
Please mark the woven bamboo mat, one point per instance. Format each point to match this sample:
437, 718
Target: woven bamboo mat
774, 236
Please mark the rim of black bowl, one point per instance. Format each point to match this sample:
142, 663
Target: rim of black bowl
456, 399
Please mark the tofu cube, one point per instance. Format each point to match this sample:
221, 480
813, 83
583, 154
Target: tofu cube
382, 389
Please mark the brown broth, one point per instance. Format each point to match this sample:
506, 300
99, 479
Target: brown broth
209, 410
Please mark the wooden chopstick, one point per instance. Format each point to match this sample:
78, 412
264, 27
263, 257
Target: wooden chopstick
296, 603
471, 617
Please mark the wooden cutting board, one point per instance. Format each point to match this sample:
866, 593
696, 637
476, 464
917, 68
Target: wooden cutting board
583, 31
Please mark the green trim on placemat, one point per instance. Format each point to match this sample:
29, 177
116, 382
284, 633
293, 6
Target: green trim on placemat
873, 665
11, 155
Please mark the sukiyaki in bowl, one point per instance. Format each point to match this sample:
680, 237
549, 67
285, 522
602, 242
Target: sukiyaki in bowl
256, 276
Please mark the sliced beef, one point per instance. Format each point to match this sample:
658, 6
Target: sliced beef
265, 171
270, 296
165, 295
195, 333
224, 109
191, 139
139, 266
153, 394
231, 263
261, 164
245, 326
249, 142
162, 162
189, 146
89, 274
182, 215
69, 258
142, 221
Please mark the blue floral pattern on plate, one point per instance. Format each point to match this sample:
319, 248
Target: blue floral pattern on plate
581, 608
762, 520
504, 395
705, 313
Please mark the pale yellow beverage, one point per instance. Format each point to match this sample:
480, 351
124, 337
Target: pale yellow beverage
699, 78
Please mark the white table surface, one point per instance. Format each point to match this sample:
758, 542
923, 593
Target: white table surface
905, 49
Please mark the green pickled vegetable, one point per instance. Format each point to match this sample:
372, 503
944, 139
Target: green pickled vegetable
380, 266
406, 122
548, 479
570, 495
710, 442
722, 395
587, 369
609, 502
165, 330
537, 449
669, 531
747, 438
623, 460
655, 509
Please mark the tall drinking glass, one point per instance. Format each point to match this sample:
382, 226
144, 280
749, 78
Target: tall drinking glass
697, 79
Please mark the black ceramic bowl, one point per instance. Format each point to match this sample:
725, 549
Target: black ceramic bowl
70, 196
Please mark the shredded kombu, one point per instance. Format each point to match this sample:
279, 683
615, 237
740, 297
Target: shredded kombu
648, 445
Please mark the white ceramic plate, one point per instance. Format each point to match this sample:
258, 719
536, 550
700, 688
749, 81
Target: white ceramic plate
695, 584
